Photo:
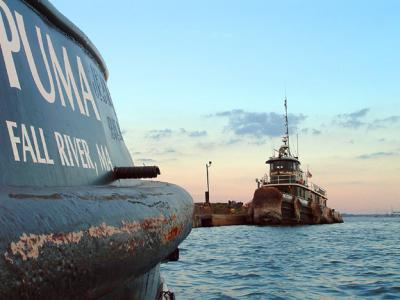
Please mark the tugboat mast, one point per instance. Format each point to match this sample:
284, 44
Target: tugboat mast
287, 125
285, 148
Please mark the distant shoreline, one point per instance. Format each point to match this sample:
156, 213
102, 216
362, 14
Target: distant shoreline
368, 215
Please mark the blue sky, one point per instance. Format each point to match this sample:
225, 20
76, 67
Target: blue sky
194, 81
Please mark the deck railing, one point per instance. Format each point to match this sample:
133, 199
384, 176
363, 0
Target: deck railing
282, 179
277, 179
318, 189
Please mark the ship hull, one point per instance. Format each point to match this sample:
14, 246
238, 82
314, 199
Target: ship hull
147, 286
272, 207
73, 223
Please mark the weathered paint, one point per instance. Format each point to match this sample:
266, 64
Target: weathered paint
100, 243
297, 209
266, 206
28, 245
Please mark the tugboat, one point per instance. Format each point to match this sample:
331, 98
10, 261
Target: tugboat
287, 197
76, 219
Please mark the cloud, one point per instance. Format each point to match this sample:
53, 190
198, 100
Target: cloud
311, 131
169, 160
258, 142
167, 133
377, 155
358, 114
356, 120
145, 161
316, 132
166, 151
221, 143
257, 124
198, 133
194, 134
159, 134
352, 120
207, 145
232, 142
383, 123
158, 151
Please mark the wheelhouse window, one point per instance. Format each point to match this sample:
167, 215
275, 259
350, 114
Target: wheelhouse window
284, 165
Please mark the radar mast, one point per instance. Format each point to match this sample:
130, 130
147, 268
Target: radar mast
285, 149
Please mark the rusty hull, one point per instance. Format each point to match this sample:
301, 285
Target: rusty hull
85, 242
266, 206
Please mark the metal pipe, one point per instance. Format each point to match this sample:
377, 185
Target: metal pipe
136, 172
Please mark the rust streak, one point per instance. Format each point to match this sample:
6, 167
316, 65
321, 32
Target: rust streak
172, 234
103, 230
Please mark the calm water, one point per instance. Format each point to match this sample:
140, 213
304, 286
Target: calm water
356, 260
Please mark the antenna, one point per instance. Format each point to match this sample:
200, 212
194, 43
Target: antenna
297, 135
287, 123
286, 118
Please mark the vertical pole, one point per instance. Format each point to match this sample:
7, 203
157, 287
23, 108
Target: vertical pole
286, 120
207, 193
287, 126
208, 183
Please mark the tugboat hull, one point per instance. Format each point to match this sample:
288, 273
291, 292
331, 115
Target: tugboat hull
267, 207
271, 207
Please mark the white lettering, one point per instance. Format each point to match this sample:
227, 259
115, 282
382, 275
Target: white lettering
105, 161
78, 151
13, 139
9, 46
71, 146
10, 43
81, 152
27, 145
35, 143
86, 92
67, 80
48, 96
87, 154
26, 141
46, 153
60, 146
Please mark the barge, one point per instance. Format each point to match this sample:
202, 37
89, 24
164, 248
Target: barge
286, 196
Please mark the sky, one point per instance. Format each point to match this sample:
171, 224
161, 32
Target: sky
199, 81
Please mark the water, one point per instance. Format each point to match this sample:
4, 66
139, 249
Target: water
359, 259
